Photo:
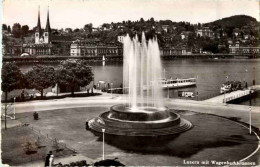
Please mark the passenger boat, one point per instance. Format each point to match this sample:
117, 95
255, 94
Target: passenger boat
178, 83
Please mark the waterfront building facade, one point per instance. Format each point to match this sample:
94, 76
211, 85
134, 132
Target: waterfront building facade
93, 49
12, 49
171, 51
238, 48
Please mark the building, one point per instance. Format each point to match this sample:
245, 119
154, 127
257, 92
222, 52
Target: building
165, 28
94, 49
12, 49
185, 34
204, 32
237, 48
45, 43
42, 45
43, 37
178, 50
120, 38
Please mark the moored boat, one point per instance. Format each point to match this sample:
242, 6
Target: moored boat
225, 88
178, 83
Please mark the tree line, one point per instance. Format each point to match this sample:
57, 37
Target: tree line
17, 30
70, 73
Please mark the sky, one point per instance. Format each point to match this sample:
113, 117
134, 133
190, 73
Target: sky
77, 13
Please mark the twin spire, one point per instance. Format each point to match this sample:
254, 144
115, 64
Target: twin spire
47, 28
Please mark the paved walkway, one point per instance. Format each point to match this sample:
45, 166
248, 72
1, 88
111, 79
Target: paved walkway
241, 112
227, 110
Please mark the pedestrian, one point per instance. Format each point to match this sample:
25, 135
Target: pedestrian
51, 161
47, 159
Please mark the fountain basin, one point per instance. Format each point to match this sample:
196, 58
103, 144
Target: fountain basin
147, 121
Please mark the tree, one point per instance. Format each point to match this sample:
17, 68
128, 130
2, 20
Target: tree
73, 73
199, 25
76, 30
24, 30
88, 27
142, 20
16, 30
4, 27
152, 20
9, 29
41, 77
12, 78
68, 30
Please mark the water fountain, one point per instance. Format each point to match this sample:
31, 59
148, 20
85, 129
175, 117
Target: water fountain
144, 113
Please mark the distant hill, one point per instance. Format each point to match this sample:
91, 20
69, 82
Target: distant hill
237, 21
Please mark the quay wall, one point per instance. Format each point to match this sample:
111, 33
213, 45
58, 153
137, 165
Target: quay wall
50, 58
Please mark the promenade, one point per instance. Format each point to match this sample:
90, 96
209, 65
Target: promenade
106, 99
240, 112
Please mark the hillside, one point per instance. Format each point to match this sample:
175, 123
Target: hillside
237, 21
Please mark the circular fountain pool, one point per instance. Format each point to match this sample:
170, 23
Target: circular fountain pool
144, 121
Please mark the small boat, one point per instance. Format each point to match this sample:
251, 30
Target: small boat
178, 83
231, 86
226, 87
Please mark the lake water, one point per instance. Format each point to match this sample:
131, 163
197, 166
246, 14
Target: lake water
210, 74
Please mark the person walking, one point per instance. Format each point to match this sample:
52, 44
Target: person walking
47, 159
51, 161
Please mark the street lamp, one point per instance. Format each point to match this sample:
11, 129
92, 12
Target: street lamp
103, 131
250, 120
225, 91
111, 89
14, 108
168, 92
93, 81
164, 73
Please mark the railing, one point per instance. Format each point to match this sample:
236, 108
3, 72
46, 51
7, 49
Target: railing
237, 96
53, 140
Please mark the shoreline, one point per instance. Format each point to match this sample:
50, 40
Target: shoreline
56, 58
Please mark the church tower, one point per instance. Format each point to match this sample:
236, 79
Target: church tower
38, 30
47, 31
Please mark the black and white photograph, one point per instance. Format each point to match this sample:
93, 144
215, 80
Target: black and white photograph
130, 83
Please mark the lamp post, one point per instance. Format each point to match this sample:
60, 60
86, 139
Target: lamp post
168, 92
34, 92
111, 89
250, 120
225, 91
93, 81
254, 75
250, 114
14, 108
103, 131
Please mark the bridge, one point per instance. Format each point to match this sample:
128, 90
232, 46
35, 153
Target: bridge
235, 95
